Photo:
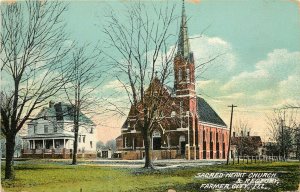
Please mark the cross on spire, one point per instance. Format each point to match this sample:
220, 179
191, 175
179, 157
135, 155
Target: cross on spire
183, 41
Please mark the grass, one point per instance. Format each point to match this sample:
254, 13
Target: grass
41, 177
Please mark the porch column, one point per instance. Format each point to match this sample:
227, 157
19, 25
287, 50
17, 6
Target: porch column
43, 143
33, 142
132, 143
64, 143
53, 144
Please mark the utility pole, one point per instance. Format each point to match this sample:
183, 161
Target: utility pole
230, 127
282, 140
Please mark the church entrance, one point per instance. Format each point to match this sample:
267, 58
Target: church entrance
156, 143
182, 144
182, 148
156, 140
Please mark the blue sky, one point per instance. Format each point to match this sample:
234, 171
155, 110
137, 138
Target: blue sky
259, 71
260, 38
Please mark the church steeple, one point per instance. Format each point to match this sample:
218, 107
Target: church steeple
184, 66
183, 41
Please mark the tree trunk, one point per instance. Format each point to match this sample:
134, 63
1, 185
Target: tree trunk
148, 162
75, 146
10, 148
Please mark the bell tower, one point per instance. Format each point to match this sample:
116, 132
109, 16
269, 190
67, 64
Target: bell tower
184, 69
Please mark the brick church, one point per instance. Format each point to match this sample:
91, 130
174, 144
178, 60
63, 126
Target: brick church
190, 129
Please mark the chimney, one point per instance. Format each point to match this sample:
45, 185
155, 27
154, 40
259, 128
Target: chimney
248, 133
51, 104
234, 134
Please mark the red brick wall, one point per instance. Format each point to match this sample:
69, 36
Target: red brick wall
211, 131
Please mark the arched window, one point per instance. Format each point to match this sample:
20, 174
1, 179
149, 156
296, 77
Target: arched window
173, 114
187, 74
181, 138
179, 75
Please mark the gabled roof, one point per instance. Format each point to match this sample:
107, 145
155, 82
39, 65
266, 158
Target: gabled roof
66, 113
253, 139
170, 90
207, 114
62, 112
125, 124
119, 137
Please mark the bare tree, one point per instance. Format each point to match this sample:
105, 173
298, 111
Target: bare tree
143, 49
245, 143
283, 125
33, 47
85, 77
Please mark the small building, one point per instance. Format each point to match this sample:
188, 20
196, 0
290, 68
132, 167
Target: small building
105, 153
246, 145
51, 134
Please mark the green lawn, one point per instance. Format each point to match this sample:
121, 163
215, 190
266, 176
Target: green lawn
40, 177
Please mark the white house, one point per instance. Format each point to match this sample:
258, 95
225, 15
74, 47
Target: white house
51, 134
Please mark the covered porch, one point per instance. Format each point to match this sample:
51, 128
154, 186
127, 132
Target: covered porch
48, 147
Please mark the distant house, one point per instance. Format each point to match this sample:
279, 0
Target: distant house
246, 145
51, 134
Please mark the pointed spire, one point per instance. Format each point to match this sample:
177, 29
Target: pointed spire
183, 41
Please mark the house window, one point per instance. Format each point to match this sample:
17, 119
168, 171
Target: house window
83, 139
173, 114
204, 135
92, 130
91, 144
34, 128
45, 128
187, 74
79, 139
179, 75
211, 138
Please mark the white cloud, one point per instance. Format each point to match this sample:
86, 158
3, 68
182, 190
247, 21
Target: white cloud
206, 83
115, 85
232, 96
206, 48
276, 69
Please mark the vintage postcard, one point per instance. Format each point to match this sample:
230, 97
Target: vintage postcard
150, 95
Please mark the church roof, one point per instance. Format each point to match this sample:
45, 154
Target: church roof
170, 90
207, 114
